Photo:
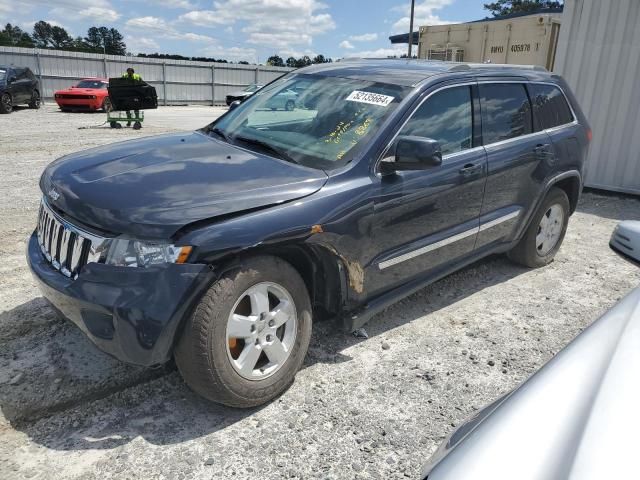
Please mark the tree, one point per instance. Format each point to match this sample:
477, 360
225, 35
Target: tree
14, 37
321, 59
291, 62
107, 40
114, 44
275, 61
42, 34
505, 7
60, 39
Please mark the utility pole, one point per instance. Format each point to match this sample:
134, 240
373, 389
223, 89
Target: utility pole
413, 4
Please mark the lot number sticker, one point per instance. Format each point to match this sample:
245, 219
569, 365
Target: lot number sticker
370, 98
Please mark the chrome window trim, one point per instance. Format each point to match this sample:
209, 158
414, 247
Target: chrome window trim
449, 240
395, 135
481, 82
546, 130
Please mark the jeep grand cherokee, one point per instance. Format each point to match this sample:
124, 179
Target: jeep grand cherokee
221, 246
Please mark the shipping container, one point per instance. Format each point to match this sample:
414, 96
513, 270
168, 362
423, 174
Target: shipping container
523, 40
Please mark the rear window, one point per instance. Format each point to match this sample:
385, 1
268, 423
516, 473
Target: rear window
506, 112
550, 108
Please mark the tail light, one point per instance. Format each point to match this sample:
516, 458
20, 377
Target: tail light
589, 135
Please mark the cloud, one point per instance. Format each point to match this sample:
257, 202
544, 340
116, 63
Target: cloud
423, 15
393, 51
346, 44
53, 23
236, 54
163, 29
99, 13
202, 18
173, 3
281, 24
137, 44
366, 37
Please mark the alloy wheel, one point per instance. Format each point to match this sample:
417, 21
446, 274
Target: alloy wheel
261, 331
549, 229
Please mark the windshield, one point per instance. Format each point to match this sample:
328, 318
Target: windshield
91, 84
320, 122
252, 88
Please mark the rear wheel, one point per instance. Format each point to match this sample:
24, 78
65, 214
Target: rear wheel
137, 125
545, 234
6, 104
35, 100
248, 336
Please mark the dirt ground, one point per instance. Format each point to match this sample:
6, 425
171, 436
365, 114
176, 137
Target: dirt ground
356, 409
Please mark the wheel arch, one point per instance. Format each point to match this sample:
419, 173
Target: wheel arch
571, 184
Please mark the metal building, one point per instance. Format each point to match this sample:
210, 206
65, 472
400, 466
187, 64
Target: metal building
520, 39
599, 56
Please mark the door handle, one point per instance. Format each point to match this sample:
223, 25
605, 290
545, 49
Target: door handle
542, 148
470, 168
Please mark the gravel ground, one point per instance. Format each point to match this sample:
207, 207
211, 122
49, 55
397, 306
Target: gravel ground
360, 408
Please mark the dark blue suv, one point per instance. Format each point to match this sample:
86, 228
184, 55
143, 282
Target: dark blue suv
219, 247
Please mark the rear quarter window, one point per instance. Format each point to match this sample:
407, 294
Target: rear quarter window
550, 107
506, 111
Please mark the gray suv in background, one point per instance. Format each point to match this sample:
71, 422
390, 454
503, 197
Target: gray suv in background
18, 85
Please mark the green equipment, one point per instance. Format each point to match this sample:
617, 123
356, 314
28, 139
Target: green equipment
116, 118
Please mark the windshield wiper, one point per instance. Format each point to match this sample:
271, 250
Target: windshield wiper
219, 133
266, 146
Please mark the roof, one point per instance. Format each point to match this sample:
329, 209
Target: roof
410, 72
404, 37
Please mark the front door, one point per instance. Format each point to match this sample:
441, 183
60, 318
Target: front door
429, 218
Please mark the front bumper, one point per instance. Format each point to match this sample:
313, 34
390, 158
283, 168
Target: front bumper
80, 103
132, 314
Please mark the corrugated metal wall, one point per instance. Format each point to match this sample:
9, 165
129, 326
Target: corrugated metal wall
599, 56
176, 81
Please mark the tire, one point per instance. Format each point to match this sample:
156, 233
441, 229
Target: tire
35, 100
530, 252
290, 105
6, 104
204, 353
137, 125
106, 105
113, 124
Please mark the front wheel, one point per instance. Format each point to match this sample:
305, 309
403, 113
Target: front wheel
544, 236
249, 335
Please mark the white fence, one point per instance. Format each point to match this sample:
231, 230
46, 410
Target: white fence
176, 81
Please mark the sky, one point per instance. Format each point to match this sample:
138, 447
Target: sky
250, 30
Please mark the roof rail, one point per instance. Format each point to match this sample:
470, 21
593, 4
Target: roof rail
468, 66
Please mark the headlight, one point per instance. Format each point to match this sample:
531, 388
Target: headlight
135, 253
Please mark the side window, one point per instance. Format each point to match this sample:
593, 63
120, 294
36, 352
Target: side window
506, 112
550, 108
446, 117
20, 73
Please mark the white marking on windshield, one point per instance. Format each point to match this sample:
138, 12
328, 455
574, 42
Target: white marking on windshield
370, 98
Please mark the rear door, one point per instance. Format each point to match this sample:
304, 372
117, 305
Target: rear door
21, 86
517, 159
552, 114
427, 219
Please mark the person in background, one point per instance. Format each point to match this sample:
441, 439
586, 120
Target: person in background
132, 75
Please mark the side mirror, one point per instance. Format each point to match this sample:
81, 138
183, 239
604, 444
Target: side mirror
235, 104
412, 153
626, 240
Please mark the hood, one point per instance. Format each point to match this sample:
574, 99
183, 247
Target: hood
576, 418
154, 186
82, 91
